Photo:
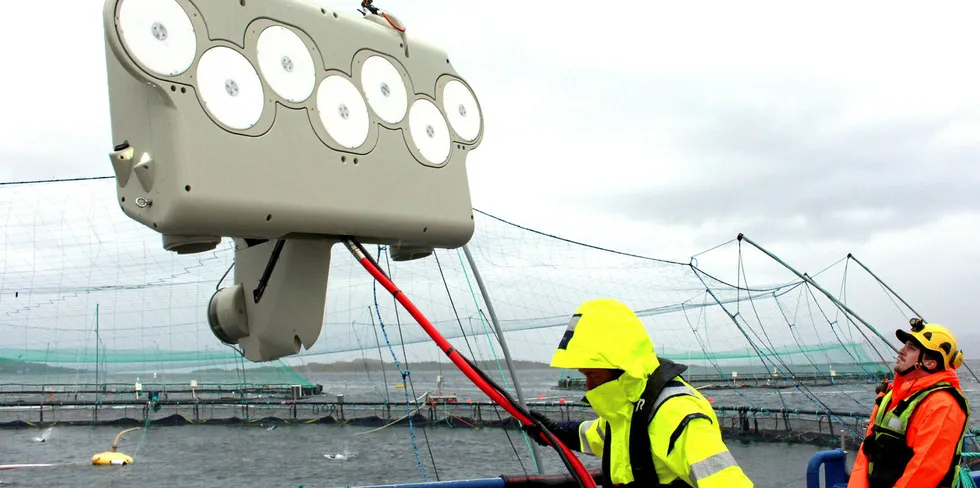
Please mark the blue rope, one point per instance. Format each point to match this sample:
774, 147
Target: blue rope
404, 373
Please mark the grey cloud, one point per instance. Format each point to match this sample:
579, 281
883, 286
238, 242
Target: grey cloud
763, 170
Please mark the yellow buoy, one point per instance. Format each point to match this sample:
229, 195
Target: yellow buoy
112, 457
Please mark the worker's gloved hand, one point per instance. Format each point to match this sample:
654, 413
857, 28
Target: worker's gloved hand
533, 431
882, 388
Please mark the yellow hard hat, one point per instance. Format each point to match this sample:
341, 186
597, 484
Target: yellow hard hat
606, 334
933, 337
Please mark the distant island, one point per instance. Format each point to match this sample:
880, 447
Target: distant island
372, 365
8, 366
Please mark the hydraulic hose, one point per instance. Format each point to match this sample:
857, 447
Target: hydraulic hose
479, 378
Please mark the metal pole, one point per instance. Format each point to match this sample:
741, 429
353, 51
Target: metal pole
96, 356
820, 288
851, 256
503, 345
98, 362
903, 301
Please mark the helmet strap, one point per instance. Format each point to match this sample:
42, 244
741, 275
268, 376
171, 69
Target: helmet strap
918, 365
909, 370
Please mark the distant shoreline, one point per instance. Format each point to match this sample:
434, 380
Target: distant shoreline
13, 367
362, 365
8, 366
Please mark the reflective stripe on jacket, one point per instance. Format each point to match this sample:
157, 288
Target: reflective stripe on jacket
685, 442
681, 439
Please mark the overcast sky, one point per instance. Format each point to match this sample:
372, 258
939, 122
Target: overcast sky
658, 129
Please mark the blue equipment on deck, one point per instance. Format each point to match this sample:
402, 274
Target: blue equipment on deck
835, 473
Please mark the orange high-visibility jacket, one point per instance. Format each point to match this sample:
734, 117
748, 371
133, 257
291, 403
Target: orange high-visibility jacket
934, 431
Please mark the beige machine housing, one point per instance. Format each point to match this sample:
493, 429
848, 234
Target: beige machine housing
275, 171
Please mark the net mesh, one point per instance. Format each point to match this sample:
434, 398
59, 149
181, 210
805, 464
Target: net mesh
84, 290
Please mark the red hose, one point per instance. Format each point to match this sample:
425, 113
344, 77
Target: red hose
392, 23
459, 361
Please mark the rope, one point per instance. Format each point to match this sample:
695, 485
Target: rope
450, 415
453, 305
971, 371
794, 334
404, 373
694, 329
411, 384
486, 331
381, 359
966, 480
500, 369
479, 378
577, 243
713, 248
808, 288
146, 427
393, 422
60, 180
808, 394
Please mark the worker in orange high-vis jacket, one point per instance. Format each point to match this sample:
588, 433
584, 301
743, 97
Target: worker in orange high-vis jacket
917, 426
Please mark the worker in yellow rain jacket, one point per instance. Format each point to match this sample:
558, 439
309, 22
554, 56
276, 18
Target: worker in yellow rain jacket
653, 429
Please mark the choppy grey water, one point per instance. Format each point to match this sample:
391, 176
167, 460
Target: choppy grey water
293, 455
